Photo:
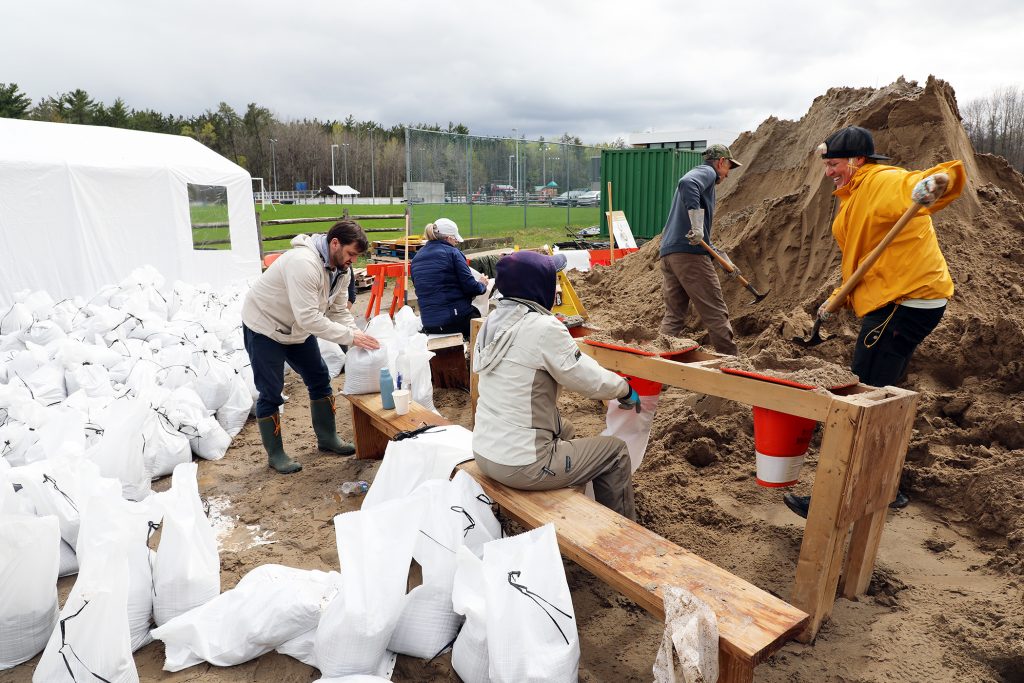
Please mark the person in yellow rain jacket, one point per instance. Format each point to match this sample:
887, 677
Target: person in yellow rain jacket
903, 296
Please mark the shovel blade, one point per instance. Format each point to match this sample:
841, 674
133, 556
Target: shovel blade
815, 337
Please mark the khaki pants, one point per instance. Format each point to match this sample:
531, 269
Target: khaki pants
692, 277
603, 460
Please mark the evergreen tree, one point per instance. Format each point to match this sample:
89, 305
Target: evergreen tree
14, 104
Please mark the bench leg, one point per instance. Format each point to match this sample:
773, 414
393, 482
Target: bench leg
449, 370
734, 670
370, 442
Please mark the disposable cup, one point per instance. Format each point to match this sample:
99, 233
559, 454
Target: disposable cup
402, 398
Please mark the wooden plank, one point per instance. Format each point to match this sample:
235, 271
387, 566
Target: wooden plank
733, 669
752, 623
374, 426
705, 380
445, 342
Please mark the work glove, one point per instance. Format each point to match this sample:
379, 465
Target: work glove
824, 315
632, 400
696, 233
735, 272
929, 189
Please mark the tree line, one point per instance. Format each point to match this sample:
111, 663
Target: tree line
366, 155
995, 124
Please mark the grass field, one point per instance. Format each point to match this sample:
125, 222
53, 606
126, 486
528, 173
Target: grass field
543, 224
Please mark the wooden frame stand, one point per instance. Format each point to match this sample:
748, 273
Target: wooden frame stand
865, 439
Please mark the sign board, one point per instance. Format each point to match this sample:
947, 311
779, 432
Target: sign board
621, 230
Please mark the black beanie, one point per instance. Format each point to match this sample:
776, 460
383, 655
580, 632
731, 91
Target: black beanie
527, 275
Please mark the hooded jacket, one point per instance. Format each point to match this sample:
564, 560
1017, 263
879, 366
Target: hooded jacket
912, 266
298, 296
523, 353
696, 190
444, 284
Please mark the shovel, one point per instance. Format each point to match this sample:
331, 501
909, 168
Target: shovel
730, 268
836, 302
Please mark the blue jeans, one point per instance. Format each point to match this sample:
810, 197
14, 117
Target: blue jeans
268, 358
884, 348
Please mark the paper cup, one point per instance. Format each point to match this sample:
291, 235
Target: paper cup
402, 398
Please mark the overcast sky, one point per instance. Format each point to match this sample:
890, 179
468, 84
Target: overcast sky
594, 68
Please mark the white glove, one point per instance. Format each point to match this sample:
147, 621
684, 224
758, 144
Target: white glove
696, 233
929, 189
823, 314
725, 257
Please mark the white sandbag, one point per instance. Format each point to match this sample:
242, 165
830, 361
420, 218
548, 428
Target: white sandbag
632, 427
94, 380
333, 356
417, 377
482, 302
407, 323
114, 523
427, 625
375, 549
18, 440
481, 526
119, 452
302, 647
469, 653
92, 641
28, 585
531, 627
271, 605
356, 678
689, 646
232, 415
212, 441
362, 367
432, 454
164, 447
213, 379
15, 319
60, 486
43, 332
186, 572
68, 560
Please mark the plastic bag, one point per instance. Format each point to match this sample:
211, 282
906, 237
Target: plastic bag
333, 356
469, 653
632, 427
689, 646
409, 462
362, 367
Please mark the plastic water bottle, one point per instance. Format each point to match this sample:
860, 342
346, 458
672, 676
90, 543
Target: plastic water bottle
387, 401
355, 488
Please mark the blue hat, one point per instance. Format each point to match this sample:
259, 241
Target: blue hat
529, 275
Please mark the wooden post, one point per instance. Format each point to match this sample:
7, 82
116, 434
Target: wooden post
608, 219
405, 270
259, 235
474, 379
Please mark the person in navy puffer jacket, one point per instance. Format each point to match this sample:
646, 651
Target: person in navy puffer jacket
444, 284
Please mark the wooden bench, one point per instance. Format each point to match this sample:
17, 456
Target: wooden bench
374, 426
752, 623
448, 367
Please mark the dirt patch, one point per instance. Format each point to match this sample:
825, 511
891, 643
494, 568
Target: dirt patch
806, 370
642, 340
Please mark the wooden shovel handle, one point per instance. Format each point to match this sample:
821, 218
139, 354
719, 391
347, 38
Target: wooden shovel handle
836, 302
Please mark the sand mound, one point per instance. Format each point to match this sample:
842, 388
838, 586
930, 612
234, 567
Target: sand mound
774, 219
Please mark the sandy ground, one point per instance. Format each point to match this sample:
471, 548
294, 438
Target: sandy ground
946, 601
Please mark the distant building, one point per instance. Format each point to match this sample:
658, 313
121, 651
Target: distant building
695, 140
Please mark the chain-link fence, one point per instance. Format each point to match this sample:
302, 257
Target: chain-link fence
500, 186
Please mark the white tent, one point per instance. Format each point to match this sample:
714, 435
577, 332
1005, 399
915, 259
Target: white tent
82, 206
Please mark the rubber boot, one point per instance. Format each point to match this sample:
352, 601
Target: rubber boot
270, 432
326, 429
798, 504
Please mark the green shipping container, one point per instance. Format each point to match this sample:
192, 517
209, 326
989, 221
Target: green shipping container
643, 184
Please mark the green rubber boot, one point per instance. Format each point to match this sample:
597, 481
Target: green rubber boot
270, 431
326, 429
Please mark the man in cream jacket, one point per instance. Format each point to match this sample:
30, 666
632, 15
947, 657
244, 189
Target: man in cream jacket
302, 296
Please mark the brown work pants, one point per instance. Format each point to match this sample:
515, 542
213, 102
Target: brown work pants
692, 277
603, 460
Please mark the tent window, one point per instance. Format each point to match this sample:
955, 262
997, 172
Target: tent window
208, 211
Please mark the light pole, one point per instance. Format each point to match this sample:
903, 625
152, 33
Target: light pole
332, 163
544, 180
273, 161
510, 158
515, 134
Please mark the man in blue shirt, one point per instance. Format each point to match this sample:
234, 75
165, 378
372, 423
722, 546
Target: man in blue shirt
688, 269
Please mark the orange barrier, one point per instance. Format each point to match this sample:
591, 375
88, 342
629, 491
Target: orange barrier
380, 272
270, 258
603, 257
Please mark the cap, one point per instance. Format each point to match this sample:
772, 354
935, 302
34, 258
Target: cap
529, 275
447, 227
852, 141
720, 152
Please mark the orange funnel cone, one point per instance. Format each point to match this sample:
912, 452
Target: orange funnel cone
780, 443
